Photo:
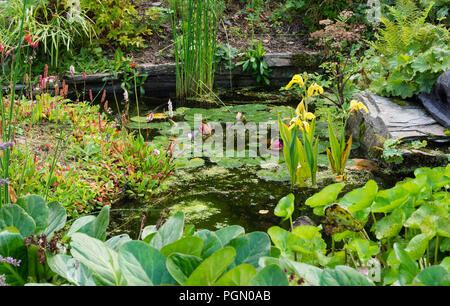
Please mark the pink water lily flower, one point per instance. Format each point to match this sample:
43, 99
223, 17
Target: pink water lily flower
206, 129
149, 117
275, 144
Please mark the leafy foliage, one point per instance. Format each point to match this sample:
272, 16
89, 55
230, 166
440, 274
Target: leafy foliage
409, 53
254, 62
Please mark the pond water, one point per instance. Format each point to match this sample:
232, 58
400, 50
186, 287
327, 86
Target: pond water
213, 191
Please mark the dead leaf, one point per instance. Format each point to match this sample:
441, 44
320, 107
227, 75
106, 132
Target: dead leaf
363, 164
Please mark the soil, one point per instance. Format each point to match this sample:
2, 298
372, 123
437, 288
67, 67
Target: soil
234, 30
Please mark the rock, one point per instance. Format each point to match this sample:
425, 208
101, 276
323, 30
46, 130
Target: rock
437, 103
391, 120
303, 220
156, 4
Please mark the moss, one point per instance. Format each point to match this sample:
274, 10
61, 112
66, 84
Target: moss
306, 61
195, 210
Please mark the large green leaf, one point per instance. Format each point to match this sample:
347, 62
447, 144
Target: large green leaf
408, 269
207, 273
56, 219
36, 207
326, 196
343, 276
279, 238
169, 232
271, 275
311, 274
389, 199
12, 215
285, 207
188, 245
360, 198
417, 246
249, 248
181, 266
433, 276
230, 232
364, 248
238, 276
12, 245
390, 225
101, 260
143, 265
70, 269
211, 240
117, 241
94, 227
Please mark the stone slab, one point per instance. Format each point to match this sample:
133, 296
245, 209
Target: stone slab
391, 120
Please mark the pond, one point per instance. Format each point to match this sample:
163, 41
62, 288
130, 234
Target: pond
215, 191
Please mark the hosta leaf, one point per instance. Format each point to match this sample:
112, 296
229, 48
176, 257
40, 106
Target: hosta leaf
228, 233
36, 208
189, 245
207, 273
326, 196
250, 247
433, 276
101, 260
181, 266
271, 275
343, 276
170, 231
238, 276
14, 215
143, 265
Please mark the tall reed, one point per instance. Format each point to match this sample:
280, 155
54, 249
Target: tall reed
194, 24
7, 114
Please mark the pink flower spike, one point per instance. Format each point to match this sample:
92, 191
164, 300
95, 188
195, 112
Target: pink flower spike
99, 121
84, 75
149, 117
170, 107
90, 95
72, 69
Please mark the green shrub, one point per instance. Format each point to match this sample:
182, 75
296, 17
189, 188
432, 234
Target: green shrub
409, 53
118, 23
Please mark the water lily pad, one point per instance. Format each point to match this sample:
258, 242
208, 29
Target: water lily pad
279, 175
247, 108
227, 162
189, 163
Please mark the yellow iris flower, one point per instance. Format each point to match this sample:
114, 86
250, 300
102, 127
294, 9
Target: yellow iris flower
314, 90
296, 79
301, 112
356, 105
301, 120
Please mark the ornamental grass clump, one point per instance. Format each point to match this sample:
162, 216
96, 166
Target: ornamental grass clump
194, 25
